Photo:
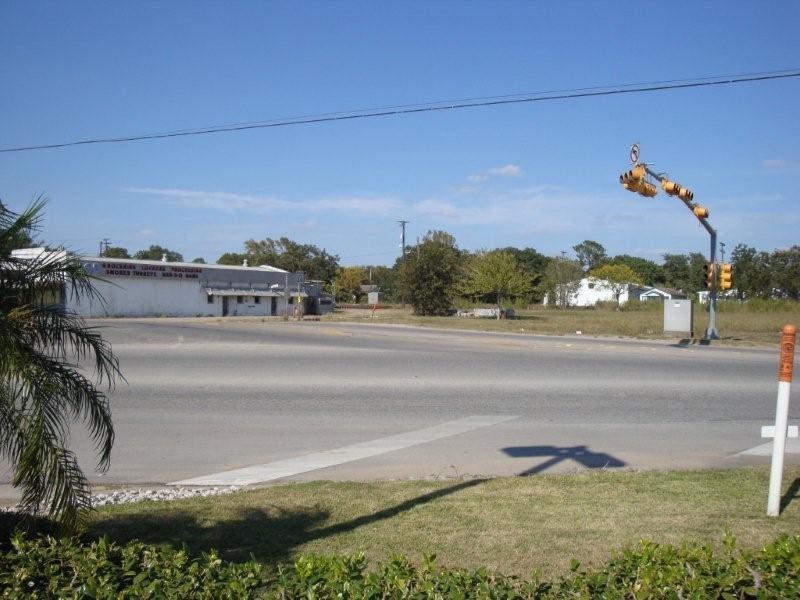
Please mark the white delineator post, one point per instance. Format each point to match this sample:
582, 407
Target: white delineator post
781, 419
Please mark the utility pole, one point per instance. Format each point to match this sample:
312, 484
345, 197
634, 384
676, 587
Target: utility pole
403, 239
299, 307
403, 224
286, 298
722, 252
636, 181
104, 246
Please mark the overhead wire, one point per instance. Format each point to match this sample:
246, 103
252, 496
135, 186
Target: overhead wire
443, 105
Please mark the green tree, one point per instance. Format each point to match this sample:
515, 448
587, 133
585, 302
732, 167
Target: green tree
385, 278
348, 283
618, 277
46, 383
291, 256
430, 274
697, 261
648, 271
157, 252
533, 263
199, 260
562, 277
590, 254
495, 276
676, 271
785, 269
232, 258
118, 252
752, 277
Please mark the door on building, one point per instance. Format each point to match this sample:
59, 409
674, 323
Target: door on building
274, 307
224, 306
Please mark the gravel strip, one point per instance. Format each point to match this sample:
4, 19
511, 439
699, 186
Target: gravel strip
153, 495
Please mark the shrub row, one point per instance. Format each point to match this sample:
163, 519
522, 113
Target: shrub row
51, 568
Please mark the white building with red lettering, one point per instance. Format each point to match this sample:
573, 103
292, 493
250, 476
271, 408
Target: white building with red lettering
149, 288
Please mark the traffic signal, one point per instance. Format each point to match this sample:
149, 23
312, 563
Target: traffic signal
725, 276
701, 212
676, 189
634, 181
631, 180
647, 189
710, 274
670, 187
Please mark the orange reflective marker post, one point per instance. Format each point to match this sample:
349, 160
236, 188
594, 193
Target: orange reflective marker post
785, 368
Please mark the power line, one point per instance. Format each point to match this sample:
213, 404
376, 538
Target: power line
619, 89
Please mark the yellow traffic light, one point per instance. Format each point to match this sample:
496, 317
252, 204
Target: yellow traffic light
701, 212
725, 276
634, 181
676, 189
647, 189
631, 179
710, 275
670, 187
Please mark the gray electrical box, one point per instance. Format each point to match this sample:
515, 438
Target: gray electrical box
678, 317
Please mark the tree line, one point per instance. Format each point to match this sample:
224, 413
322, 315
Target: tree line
437, 268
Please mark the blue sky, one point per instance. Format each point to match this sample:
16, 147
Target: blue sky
541, 175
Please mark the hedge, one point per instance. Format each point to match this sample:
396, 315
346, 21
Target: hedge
47, 567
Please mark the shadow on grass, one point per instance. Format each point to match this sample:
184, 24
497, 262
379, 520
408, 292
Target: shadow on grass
269, 535
557, 454
32, 526
791, 494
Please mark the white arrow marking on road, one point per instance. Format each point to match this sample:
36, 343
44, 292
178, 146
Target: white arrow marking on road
331, 458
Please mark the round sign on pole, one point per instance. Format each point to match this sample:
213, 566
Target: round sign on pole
635, 153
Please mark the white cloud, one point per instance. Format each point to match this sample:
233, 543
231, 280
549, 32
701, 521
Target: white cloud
233, 202
147, 232
504, 171
781, 164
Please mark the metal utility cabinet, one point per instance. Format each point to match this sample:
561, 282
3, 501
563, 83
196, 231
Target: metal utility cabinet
678, 317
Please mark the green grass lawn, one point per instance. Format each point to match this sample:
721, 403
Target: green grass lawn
512, 525
735, 325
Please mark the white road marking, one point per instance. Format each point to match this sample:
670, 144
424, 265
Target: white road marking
792, 447
338, 456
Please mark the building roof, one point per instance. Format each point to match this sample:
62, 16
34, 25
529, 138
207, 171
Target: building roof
135, 261
34, 253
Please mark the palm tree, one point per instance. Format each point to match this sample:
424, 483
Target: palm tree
45, 385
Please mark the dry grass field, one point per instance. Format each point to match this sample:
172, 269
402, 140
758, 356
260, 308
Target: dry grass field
736, 324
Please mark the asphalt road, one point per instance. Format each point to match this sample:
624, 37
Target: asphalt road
207, 396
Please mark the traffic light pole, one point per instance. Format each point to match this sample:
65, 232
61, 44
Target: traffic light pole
711, 330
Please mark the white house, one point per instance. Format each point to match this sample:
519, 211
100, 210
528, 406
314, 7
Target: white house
590, 290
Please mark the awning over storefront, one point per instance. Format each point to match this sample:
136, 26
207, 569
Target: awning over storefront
250, 292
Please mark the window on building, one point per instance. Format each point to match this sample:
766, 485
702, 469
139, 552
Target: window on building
210, 299
258, 299
239, 299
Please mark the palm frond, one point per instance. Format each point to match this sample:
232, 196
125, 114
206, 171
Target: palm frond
44, 353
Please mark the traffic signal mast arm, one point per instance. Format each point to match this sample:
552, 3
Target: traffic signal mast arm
686, 196
636, 181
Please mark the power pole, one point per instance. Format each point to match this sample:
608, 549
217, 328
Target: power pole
104, 246
403, 224
722, 252
403, 239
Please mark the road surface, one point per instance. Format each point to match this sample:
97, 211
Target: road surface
220, 402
